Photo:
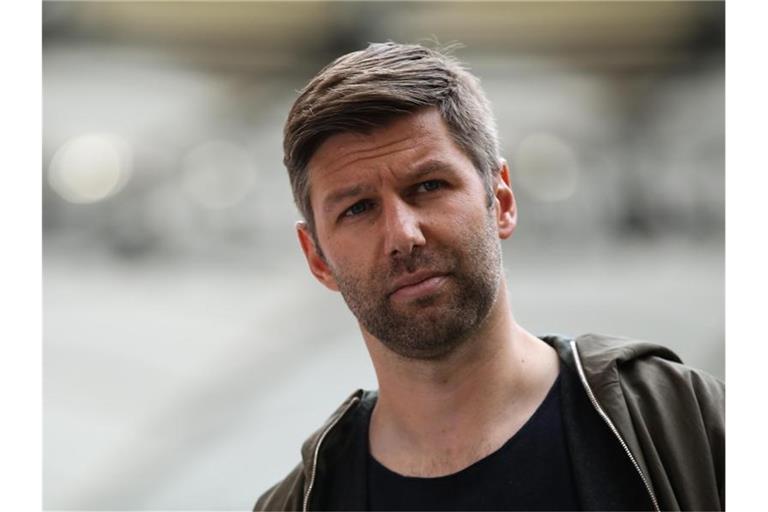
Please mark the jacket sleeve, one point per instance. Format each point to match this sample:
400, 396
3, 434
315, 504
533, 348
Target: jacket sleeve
285, 495
678, 414
710, 393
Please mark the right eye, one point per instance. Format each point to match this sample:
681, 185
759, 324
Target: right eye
357, 208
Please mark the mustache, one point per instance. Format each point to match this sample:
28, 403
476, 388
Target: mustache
417, 260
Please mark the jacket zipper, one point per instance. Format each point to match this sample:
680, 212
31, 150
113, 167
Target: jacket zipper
610, 424
305, 506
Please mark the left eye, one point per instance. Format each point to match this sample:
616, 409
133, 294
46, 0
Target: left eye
429, 186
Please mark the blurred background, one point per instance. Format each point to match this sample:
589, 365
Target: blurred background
187, 350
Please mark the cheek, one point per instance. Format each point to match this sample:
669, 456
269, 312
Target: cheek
461, 217
354, 252
350, 263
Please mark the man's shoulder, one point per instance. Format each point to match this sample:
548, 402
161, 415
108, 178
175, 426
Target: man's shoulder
289, 493
646, 371
622, 371
604, 353
603, 350
670, 412
667, 412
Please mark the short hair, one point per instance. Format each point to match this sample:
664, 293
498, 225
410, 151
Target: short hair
369, 88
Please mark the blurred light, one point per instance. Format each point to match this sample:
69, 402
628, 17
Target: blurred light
217, 174
90, 167
547, 167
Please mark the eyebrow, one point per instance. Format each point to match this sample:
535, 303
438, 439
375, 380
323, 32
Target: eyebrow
429, 167
419, 171
343, 194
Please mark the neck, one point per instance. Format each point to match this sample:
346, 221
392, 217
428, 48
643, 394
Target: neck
436, 417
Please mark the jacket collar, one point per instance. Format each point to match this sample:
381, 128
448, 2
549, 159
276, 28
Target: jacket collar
606, 353
335, 457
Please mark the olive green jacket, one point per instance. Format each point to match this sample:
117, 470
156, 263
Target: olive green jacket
643, 431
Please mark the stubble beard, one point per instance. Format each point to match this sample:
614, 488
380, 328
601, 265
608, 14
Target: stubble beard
433, 326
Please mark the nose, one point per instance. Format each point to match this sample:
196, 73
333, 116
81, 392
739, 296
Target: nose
402, 229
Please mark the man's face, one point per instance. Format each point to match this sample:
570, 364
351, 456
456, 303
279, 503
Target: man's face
406, 234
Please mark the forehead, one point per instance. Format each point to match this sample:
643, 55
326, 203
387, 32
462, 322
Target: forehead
402, 143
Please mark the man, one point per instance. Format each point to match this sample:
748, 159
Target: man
394, 163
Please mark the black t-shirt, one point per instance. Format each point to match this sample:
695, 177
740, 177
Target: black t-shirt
531, 471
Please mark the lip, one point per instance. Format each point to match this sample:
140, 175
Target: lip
416, 284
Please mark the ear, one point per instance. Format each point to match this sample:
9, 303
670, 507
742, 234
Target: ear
506, 207
317, 264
